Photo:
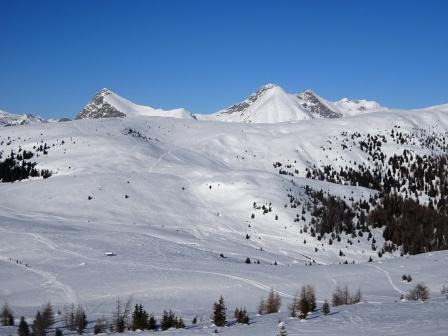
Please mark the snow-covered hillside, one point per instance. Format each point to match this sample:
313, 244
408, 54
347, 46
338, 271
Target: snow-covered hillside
106, 104
9, 119
168, 210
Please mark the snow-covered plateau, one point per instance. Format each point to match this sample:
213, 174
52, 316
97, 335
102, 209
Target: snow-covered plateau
168, 210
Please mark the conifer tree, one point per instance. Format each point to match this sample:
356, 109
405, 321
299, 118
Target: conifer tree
100, 326
24, 329
7, 315
39, 325
81, 320
139, 318
152, 323
326, 308
47, 315
304, 304
219, 313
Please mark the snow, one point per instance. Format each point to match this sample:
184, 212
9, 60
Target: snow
353, 107
9, 119
131, 109
169, 233
271, 104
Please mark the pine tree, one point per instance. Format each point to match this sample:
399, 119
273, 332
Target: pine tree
139, 318
219, 313
6, 315
152, 323
100, 326
241, 316
24, 329
304, 304
47, 316
81, 320
39, 325
169, 320
70, 317
325, 308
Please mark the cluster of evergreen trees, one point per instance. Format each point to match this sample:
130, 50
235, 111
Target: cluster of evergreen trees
170, 320
16, 168
402, 181
416, 228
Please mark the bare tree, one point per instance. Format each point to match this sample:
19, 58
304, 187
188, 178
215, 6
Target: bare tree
419, 292
120, 317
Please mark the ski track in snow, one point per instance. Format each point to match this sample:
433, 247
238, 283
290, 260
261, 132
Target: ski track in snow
51, 280
386, 273
72, 296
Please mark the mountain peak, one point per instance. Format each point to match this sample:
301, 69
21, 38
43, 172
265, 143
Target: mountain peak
105, 91
317, 106
107, 104
100, 107
269, 104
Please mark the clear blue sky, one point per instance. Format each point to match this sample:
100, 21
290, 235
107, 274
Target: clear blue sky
206, 55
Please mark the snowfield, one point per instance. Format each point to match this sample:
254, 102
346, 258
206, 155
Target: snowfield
171, 201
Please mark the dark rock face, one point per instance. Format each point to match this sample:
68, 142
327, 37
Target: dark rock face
314, 106
98, 107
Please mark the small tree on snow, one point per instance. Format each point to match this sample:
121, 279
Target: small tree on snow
293, 306
120, 317
7, 315
419, 292
24, 329
326, 308
219, 313
273, 302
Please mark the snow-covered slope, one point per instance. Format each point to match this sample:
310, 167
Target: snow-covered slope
270, 104
173, 199
351, 107
106, 104
9, 119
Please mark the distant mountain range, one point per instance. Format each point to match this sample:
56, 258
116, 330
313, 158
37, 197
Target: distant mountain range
270, 104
